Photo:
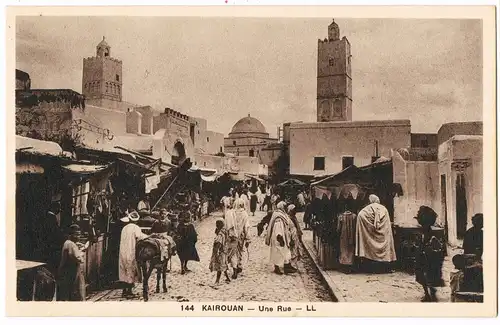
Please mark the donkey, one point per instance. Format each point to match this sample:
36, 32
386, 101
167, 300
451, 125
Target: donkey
149, 257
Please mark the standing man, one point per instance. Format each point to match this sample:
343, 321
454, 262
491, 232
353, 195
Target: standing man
71, 280
279, 239
144, 208
51, 238
129, 272
238, 227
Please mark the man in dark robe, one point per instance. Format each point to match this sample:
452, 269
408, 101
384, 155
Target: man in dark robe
51, 238
473, 240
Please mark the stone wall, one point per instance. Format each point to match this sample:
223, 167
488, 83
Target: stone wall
134, 122
244, 165
448, 130
419, 181
147, 119
242, 145
333, 140
462, 154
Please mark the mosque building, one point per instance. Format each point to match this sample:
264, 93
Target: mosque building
247, 138
435, 169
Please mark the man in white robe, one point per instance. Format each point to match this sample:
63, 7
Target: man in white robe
374, 238
129, 272
245, 198
238, 228
278, 238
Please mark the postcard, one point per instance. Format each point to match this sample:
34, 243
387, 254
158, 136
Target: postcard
256, 161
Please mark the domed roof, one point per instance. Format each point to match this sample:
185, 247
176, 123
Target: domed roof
103, 43
248, 124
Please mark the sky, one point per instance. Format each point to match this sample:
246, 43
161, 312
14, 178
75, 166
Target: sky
222, 69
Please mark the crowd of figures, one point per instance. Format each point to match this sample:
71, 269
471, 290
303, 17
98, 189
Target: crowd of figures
361, 235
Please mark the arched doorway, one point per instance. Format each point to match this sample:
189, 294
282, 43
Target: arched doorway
179, 153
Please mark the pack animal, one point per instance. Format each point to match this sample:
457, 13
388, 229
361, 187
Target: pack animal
150, 255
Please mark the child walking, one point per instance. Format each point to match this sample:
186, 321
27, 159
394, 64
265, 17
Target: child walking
218, 262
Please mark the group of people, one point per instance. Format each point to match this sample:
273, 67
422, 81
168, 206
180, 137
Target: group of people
70, 275
232, 238
181, 229
357, 229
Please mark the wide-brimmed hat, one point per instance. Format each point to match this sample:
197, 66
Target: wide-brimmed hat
134, 216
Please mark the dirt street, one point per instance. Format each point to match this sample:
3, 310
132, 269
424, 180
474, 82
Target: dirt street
256, 283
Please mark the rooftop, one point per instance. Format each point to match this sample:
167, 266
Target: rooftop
248, 124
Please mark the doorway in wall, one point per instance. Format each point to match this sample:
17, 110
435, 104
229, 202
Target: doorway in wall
461, 206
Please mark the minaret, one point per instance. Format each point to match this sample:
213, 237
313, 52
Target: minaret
334, 86
102, 76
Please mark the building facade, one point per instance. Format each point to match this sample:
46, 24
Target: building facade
326, 148
334, 81
247, 138
23, 80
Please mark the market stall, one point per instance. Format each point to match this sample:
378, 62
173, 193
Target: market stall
353, 182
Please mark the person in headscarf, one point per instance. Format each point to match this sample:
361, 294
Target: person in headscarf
278, 238
238, 227
473, 239
275, 198
187, 239
301, 201
226, 202
260, 198
218, 262
346, 229
245, 199
71, 280
295, 233
374, 239
430, 256
129, 272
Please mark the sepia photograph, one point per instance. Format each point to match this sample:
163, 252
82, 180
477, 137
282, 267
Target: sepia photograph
228, 160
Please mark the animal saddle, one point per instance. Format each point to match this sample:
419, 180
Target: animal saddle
164, 243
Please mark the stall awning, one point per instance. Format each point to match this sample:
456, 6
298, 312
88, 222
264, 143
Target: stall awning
203, 171
27, 168
84, 169
292, 182
345, 173
40, 147
258, 179
211, 178
358, 175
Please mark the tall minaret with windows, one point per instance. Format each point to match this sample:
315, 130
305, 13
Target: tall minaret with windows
334, 92
102, 76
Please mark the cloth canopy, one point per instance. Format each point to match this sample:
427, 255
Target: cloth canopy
39, 147
363, 176
292, 182
84, 169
